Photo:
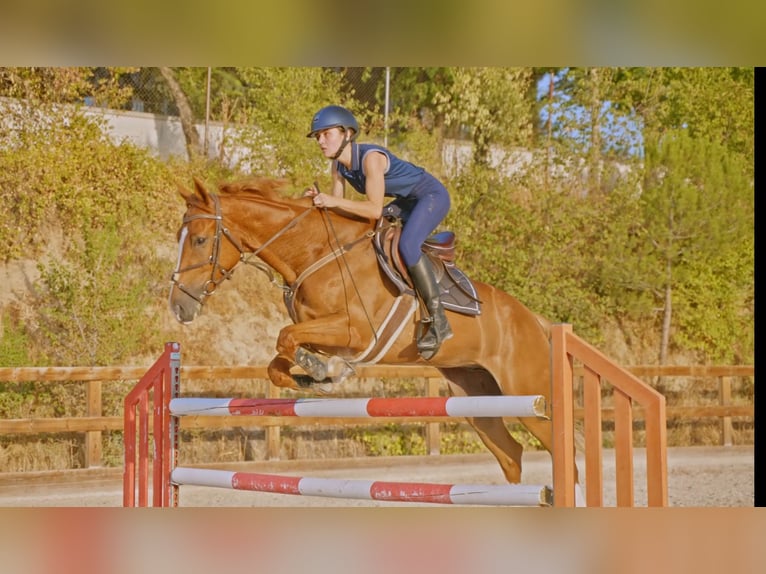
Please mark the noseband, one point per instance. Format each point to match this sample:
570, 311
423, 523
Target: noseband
220, 231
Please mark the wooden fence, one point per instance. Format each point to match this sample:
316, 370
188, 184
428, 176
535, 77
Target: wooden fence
94, 423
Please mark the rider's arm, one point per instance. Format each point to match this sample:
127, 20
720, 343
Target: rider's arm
372, 207
338, 185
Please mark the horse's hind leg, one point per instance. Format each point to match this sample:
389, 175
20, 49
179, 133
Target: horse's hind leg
491, 430
542, 429
506, 449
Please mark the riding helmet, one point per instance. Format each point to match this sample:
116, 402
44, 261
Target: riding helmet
333, 117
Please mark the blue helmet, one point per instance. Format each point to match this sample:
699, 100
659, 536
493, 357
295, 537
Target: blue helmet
333, 117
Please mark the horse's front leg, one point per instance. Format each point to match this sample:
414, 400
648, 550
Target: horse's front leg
279, 373
330, 333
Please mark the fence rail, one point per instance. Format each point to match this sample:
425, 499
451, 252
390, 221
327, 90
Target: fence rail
93, 424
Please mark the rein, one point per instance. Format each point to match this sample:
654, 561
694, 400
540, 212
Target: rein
245, 257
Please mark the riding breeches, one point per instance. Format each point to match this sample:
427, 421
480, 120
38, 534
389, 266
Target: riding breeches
422, 211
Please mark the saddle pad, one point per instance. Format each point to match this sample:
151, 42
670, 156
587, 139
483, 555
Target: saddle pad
457, 292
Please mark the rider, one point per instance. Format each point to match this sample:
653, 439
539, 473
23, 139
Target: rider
374, 171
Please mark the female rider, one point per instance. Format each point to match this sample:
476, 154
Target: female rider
374, 171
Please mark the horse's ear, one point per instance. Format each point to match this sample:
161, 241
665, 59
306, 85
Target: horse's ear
200, 187
202, 191
183, 192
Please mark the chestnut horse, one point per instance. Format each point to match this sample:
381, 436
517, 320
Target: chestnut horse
345, 309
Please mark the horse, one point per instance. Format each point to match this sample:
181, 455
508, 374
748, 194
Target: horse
346, 311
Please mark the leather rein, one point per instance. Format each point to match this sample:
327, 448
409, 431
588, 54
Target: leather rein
246, 257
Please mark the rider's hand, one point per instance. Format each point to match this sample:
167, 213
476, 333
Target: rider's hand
324, 200
311, 191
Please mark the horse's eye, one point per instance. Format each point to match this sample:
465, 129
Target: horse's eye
199, 241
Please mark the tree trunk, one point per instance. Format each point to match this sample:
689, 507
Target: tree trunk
193, 145
595, 127
666, 317
667, 314
480, 148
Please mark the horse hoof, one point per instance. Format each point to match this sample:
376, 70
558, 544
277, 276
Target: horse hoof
305, 382
311, 363
338, 369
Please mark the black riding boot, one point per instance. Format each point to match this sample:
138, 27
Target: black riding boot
437, 328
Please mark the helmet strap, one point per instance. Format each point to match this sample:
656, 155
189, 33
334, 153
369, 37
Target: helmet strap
342, 146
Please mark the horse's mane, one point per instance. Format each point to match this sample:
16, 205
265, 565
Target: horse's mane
253, 188
260, 186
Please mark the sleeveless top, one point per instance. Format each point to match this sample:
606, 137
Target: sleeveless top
400, 175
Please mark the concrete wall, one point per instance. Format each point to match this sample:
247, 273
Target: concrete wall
162, 135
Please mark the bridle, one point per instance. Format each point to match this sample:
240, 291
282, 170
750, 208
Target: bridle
222, 231
216, 268
244, 257
212, 283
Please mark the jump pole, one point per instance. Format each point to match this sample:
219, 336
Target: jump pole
486, 406
473, 494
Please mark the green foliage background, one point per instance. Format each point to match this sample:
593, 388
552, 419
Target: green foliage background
588, 233
581, 234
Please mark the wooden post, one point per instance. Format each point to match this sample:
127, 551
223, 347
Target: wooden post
563, 418
724, 384
594, 442
623, 447
433, 437
93, 438
273, 432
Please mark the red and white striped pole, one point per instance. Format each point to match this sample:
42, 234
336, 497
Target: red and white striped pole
463, 494
483, 406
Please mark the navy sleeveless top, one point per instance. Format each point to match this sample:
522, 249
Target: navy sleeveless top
400, 175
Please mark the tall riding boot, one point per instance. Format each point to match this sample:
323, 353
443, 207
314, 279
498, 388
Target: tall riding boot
437, 328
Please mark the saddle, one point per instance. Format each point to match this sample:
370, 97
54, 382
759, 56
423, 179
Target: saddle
457, 292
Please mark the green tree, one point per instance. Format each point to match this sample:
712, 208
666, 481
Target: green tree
712, 103
93, 304
82, 207
538, 242
717, 104
414, 95
67, 85
697, 220
491, 106
274, 122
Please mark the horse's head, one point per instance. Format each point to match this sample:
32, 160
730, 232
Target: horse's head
207, 253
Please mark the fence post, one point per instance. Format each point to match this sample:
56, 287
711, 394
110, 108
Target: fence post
273, 433
724, 384
563, 455
433, 436
93, 438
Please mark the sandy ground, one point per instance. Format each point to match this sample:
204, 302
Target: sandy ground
697, 477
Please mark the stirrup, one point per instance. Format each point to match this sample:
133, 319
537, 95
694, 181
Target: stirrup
429, 349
